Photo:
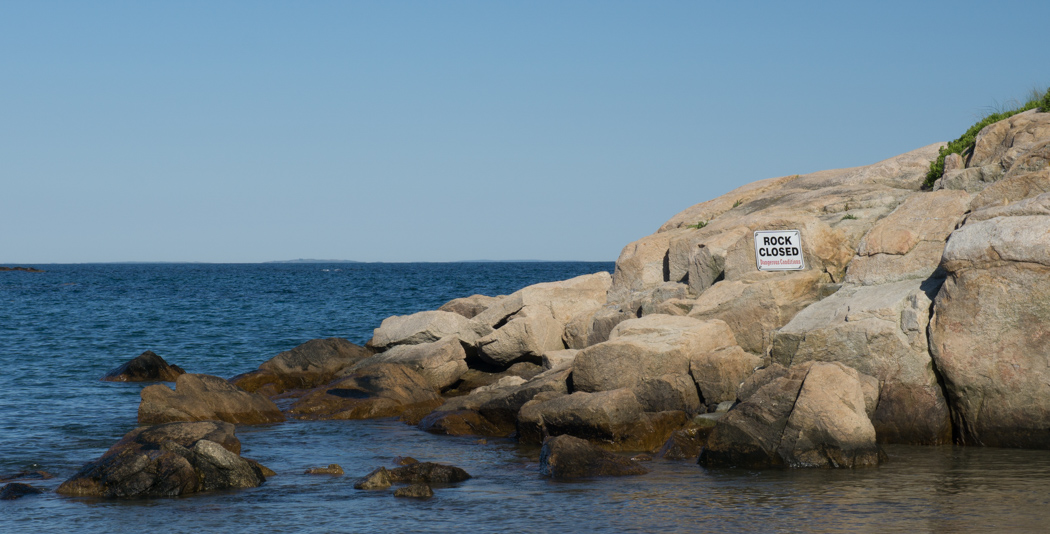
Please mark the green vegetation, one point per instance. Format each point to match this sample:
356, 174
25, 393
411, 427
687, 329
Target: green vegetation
697, 226
738, 202
849, 217
968, 139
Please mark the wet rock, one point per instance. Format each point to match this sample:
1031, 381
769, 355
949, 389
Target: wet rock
378, 479
684, 444
382, 390
17, 490
203, 398
461, 423
429, 473
566, 457
167, 460
405, 460
332, 469
306, 366
146, 367
415, 491
811, 415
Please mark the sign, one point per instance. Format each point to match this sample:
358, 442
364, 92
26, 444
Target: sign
779, 250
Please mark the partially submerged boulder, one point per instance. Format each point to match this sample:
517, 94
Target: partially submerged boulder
566, 457
204, 397
167, 460
382, 390
810, 415
988, 331
17, 490
306, 366
146, 367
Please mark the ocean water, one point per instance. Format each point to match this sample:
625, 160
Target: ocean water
61, 330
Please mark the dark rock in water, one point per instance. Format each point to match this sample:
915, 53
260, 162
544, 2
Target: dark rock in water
383, 390
378, 479
16, 490
569, 457
312, 364
146, 367
415, 491
430, 473
166, 461
332, 469
26, 475
684, 444
461, 423
811, 415
205, 398
405, 460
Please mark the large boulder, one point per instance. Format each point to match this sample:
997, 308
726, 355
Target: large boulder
531, 321
611, 419
422, 327
306, 366
382, 390
203, 398
812, 415
880, 331
567, 457
167, 461
648, 347
719, 373
988, 331
146, 367
756, 306
1001, 143
1029, 176
442, 363
907, 244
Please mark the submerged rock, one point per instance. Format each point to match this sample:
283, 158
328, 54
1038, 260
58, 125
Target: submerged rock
204, 398
332, 469
17, 490
167, 460
377, 479
429, 473
569, 457
415, 491
146, 367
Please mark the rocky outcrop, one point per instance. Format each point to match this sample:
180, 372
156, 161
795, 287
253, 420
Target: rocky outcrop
811, 415
306, 366
382, 390
988, 332
719, 373
566, 457
167, 461
146, 367
203, 398
880, 331
332, 469
414, 474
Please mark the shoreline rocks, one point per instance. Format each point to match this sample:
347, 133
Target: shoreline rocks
202, 398
146, 367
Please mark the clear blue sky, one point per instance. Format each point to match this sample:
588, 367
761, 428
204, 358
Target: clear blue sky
441, 131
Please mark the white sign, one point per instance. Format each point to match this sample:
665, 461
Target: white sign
779, 250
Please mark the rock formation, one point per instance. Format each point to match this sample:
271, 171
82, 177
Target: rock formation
306, 366
203, 398
146, 367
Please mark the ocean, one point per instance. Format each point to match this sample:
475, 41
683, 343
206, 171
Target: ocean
62, 329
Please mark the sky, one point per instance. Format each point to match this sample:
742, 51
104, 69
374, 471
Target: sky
255, 131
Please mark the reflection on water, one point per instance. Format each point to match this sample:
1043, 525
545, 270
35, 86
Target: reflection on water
921, 489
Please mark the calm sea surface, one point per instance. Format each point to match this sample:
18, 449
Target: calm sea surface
63, 329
